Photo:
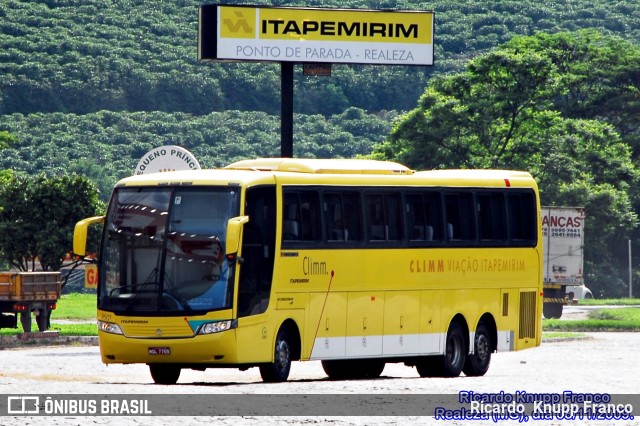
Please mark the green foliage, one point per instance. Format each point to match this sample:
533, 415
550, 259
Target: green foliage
37, 217
141, 55
6, 139
536, 104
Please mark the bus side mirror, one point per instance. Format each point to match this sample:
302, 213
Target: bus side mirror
234, 231
80, 235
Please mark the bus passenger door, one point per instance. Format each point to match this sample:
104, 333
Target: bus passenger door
256, 272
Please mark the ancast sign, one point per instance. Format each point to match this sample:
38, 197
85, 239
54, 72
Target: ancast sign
247, 33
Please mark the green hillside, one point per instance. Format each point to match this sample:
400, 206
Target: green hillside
140, 55
107, 145
90, 85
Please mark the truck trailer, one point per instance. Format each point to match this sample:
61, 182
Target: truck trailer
563, 238
27, 293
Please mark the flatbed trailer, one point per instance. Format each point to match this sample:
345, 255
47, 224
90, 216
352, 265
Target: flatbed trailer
25, 293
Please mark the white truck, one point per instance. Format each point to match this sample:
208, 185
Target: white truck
563, 239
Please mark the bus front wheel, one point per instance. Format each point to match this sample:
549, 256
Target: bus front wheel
164, 374
278, 370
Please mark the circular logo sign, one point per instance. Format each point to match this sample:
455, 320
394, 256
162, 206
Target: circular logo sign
166, 159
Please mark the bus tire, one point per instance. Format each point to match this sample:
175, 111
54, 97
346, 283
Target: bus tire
278, 370
372, 369
478, 363
336, 369
164, 374
353, 368
455, 351
427, 366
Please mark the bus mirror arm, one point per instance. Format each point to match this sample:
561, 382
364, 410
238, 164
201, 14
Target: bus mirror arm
234, 235
80, 235
233, 258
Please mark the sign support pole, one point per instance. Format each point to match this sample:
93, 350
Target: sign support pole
286, 109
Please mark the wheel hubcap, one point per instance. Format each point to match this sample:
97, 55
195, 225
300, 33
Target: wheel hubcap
482, 347
282, 355
453, 351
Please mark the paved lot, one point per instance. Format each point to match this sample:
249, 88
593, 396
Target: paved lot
603, 363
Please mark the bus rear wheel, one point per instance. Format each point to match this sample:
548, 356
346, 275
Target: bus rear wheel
278, 370
478, 363
451, 363
164, 374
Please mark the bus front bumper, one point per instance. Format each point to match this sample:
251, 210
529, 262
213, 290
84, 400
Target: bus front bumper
217, 348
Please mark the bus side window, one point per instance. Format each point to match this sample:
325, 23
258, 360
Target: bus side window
301, 216
491, 217
334, 219
310, 223
523, 224
352, 216
290, 217
424, 218
342, 213
377, 227
460, 216
385, 218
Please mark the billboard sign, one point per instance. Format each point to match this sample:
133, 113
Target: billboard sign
283, 34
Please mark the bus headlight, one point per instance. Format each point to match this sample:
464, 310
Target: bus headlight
108, 327
217, 326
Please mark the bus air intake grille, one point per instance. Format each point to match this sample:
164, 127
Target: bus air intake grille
505, 305
527, 315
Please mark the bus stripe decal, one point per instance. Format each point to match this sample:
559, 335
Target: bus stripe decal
412, 344
315, 337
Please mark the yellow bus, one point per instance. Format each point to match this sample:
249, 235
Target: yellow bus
356, 263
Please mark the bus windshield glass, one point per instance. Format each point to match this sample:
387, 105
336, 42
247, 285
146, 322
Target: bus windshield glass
163, 250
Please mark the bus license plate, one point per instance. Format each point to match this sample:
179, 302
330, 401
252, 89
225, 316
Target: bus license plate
159, 351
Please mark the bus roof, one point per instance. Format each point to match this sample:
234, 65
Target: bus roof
314, 165
327, 171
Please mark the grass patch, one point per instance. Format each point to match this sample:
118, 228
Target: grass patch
618, 319
617, 302
83, 329
75, 306
562, 335
79, 329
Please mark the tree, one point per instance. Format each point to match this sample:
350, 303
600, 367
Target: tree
529, 105
38, 215
6, 139
17, 232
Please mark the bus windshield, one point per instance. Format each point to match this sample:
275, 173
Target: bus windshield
163, 250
